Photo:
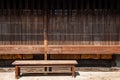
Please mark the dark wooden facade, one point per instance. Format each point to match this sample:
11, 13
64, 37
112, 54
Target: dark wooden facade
59, 27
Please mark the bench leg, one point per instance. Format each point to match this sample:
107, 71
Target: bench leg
50, 68
17, 72
73, 71
45, 69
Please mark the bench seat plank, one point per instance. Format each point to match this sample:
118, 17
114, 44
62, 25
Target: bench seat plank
44, 62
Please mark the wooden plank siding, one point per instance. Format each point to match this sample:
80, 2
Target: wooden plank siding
80, 56
36, 49
21, 49
83, 49
60, 27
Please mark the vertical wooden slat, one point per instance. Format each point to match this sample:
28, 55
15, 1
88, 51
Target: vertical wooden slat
118, 9
109, 27
117, 27
33, 22
51, 28
63, 30
60, 24
93, 22
20, 7
106, 25
2, 20
80, 28
81, 23
22, 27
69, 22
0, 24
88, 23
77, 22
102, 24
64, 25
112, 26
14, 22
39, 27
8, 22
115, 33
53, 25
96, 29
109, 24
118, 6
56, 24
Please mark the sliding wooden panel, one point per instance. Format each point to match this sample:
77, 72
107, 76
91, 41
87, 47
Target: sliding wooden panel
21, 23
91, 23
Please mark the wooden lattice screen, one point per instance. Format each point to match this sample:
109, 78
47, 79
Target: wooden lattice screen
69, 22
20, 25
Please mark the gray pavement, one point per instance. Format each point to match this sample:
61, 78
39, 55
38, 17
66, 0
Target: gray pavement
89, 73
80, 76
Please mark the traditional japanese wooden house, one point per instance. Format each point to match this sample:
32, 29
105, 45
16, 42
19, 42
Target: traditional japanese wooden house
59, 29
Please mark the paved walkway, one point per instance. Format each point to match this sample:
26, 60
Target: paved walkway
89, 73
80, 76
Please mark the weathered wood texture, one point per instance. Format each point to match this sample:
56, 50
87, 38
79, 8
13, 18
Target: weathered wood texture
44, 63
23, 30
71, 22
84, 22
80, 56
45, 29
66, 26
21, 49
57, 56
36, 49
63, 49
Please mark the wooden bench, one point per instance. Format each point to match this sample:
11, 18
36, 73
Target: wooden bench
43, 63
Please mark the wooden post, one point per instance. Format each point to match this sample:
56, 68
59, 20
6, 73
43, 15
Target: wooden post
45, 29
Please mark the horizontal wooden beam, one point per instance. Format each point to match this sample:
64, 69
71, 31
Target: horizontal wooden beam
87, 49
60, 49
21, 49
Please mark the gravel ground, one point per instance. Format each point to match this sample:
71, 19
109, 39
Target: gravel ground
91, 74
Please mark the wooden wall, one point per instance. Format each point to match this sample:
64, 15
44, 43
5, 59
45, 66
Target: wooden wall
69, 22
21, 27
84, 27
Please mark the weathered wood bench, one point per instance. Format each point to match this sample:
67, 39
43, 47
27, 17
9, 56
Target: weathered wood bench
43, 63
